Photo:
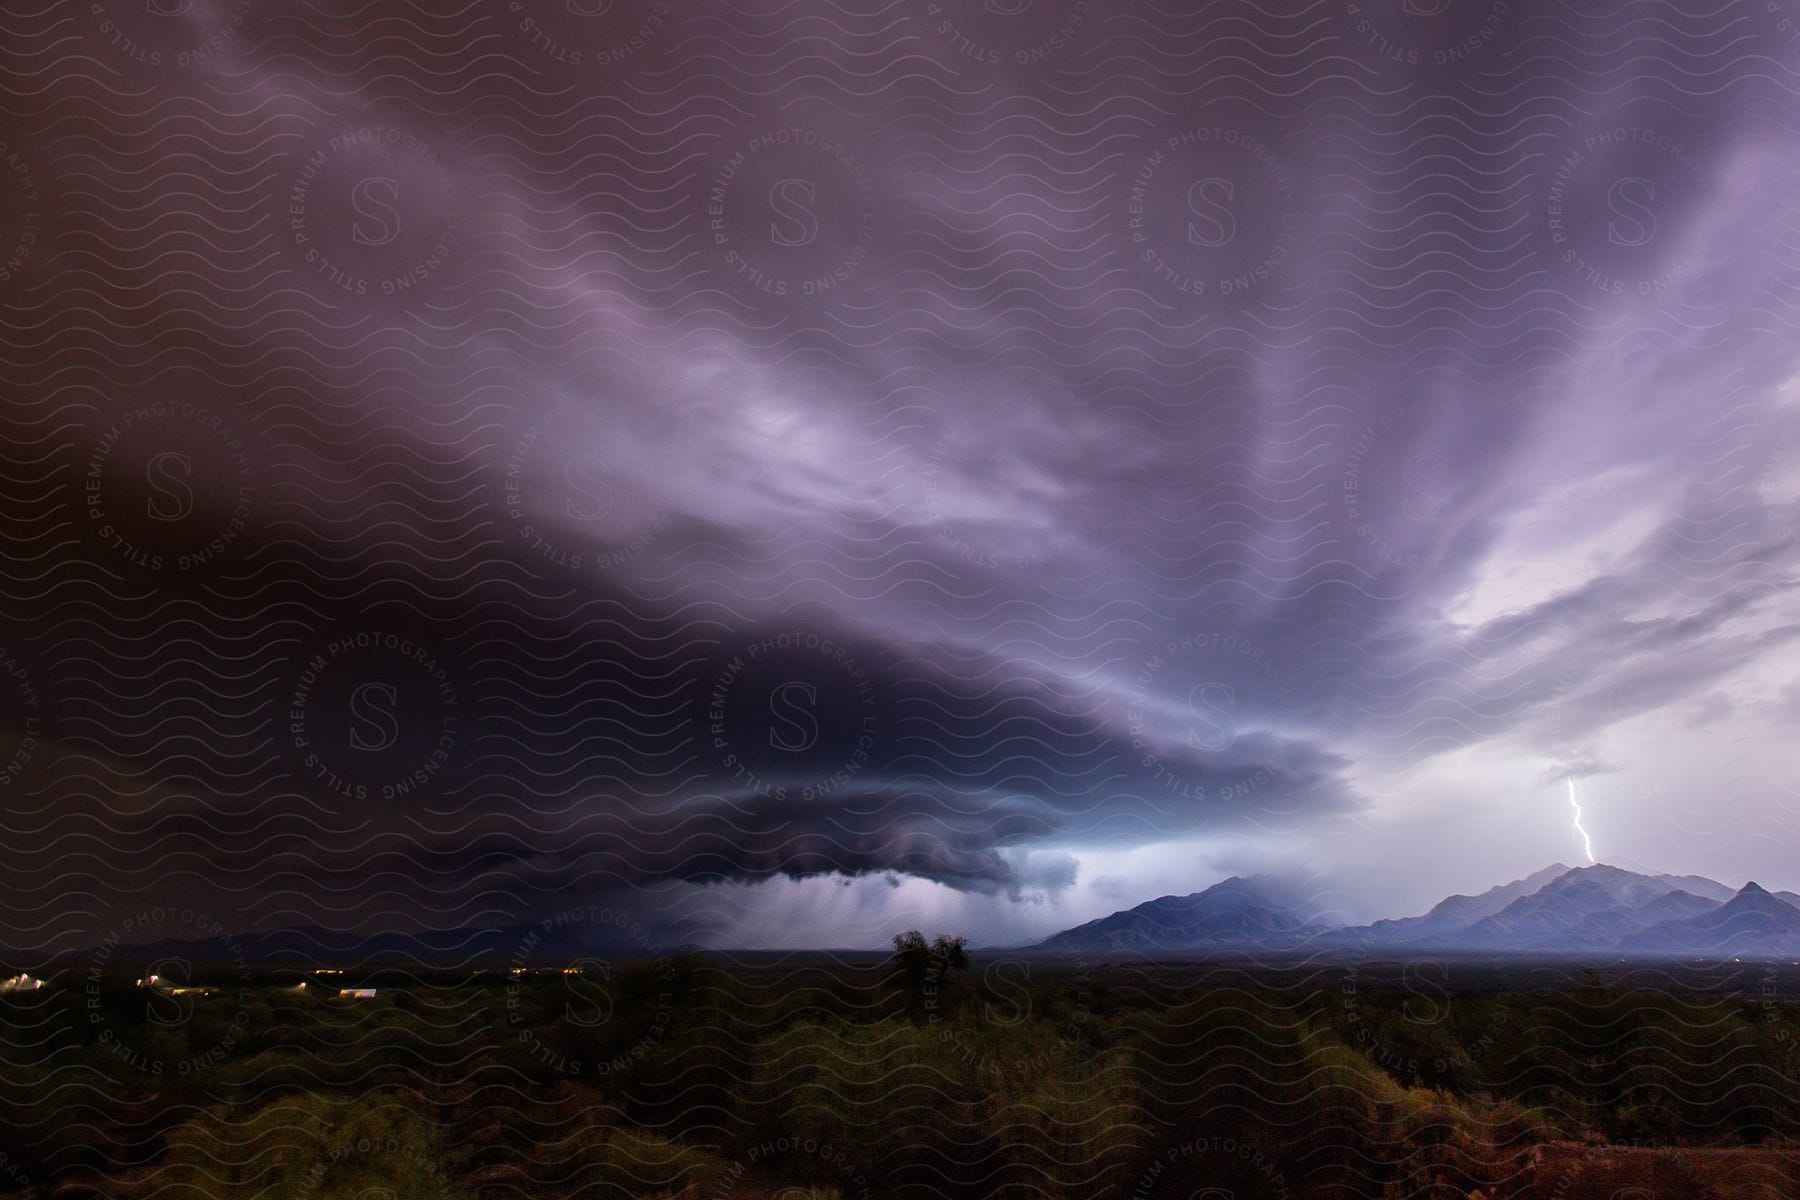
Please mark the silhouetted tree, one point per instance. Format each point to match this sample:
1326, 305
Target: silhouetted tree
922, 969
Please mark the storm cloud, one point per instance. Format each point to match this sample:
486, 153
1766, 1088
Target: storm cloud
798, 470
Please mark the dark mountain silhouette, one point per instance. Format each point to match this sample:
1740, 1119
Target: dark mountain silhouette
1586, 908
1676, 906
1234, 912
1597, 909
1559, 910
1753, 923
1454, 914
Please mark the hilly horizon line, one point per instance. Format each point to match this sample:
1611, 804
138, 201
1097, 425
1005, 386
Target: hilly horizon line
1264, 886
1560, 868
1557, 910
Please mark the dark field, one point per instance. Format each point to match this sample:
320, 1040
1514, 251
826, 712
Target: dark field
809, 1076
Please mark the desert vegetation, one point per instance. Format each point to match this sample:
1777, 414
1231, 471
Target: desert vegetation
933, 1072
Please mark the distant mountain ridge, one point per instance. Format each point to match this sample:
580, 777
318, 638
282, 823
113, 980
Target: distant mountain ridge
1753, 922
1558, 910
1231, 912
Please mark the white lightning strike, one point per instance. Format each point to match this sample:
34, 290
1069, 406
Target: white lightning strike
1575, 803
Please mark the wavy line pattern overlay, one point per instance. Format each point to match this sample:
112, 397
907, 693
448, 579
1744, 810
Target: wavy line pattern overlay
540, 534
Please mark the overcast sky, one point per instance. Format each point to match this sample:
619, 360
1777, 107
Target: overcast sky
795, 471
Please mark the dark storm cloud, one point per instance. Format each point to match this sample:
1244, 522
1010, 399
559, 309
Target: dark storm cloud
792, 441
635, 747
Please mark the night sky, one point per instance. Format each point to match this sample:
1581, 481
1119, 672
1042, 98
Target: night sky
790, 471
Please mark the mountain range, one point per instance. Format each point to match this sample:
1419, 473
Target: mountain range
1558, 910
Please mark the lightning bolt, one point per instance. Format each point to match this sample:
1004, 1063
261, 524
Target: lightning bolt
1575, 803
